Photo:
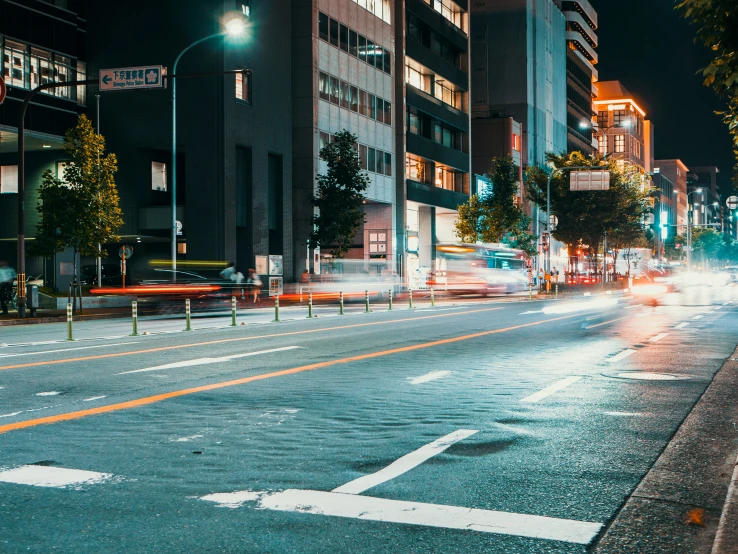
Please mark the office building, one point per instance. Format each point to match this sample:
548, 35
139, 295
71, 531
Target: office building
676, 172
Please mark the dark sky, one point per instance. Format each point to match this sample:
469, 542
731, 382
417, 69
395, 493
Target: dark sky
647, 46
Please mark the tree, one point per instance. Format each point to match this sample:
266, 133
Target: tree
675, 247
81, 211
717, 21
339, 197
494, 216
706, 244
589, 216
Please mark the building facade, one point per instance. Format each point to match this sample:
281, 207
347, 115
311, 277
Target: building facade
676, 172
715, 209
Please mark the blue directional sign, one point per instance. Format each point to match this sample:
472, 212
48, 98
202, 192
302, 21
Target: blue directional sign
126, 78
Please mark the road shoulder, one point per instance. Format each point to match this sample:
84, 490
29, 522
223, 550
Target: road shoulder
677, 506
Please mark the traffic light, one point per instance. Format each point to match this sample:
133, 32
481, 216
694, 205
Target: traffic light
544, 242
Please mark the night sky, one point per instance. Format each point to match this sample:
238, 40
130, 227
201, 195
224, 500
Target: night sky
647, 46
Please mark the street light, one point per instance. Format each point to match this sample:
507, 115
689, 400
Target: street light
235, 26
689, 228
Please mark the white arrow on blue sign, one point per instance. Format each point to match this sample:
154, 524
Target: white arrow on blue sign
126, 78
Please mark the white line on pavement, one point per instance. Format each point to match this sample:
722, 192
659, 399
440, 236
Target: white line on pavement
682, 325
48, 393
58, 477
95, 398
531, 312
623, 354
417, 513
698, 317
404, 464
624, 414
658, 337
11, 415
432, 376
204, 361
551, 389
42, 352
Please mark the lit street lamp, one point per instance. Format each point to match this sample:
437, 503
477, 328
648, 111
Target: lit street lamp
233, 27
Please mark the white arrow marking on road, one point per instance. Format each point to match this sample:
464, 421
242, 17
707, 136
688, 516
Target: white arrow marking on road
551, 389
623, 354
416, 513
404, 464
204, 361
432, 376
58, 477
682, 325
658, 337
65, 350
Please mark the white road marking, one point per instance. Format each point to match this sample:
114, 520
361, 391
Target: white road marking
40, 353
11, 415
551, 389
531, 312
624, 414
682, 325
658, 337
698, 317
432, 376
58, 477
718, 308
186, 439
622, 355
418, 513
233, 499
49, 393
204, 361
95, 398
404, 464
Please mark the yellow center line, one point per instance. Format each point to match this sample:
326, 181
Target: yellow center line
223, 384
220, 341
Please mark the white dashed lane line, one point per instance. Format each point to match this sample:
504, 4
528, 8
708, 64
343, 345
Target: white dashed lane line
551, 389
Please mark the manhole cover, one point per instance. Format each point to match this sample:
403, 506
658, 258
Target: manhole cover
648, 376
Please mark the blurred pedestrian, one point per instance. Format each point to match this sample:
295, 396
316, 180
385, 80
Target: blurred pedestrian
228, 273
7, 276
254, 284
305, 277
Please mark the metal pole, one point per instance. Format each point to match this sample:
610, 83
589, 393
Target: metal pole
433, 299
187, 314
530, 291
99, 246
276, 308
548, 221
689, 237
310, 305
134, 315
233, 311
556, 289
410, 297
69, 322
390, 299
604, 261
366, 300
340, 300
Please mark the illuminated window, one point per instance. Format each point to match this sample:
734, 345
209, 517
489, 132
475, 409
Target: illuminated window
159, 176
8, 179
15, 63
413, 77
602, 146
516, 142
81, 89
446, 95
619, 143
246, 8
243, 86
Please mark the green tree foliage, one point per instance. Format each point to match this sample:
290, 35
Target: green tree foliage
589, 216
339, 197
82, 210
706, 243
671, 252
717, 28
494, 216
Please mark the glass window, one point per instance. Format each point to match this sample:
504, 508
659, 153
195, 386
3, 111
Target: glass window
324, 87
323, 26
387, 113
354, 99
353, 43
323, 140
371, 160
40, 68
362, 156
343, 94
602, 144
387, 58
334, 90
362, 48
363, 107
380, 162
243, 87
60, 168
448, 138
62, 73
413, 30
334, 32
344, 38
380, 110
603, 118
618, 117
15, 64
372, 106
81, 89
388, 164
438, 133
415, 169
619, 143
413, 123
159, 176
8, 179
370, 52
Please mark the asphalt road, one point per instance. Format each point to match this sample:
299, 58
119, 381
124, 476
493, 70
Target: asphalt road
471, 428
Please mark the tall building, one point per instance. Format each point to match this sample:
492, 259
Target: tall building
676, 172
581, 73
622, 131
40, 42
665, 210
708, 179
436, 140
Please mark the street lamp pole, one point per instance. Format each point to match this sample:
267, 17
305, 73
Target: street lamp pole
689, 228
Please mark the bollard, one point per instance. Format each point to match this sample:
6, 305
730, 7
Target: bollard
187, 315
366, 300
310, 305
340, 300
69, 323
530, 292
433, 299
134, 316
410, 297
276, 308
556, 291
233, 311
390, 299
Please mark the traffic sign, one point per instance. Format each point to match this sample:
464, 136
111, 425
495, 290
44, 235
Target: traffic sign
127, 250
732, 202
126, 78
589, 180
3, 89
554, 222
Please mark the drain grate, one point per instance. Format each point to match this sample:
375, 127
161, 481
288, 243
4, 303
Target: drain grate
649, 376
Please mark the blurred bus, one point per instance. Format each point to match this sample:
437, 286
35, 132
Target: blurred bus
482, 268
